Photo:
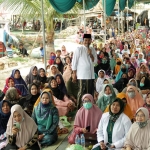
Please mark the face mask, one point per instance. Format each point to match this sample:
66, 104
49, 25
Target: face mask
106, 95
131, 94
119, 63
123, 70
104, 61
141, 84
136, 54
87, 105
132, 83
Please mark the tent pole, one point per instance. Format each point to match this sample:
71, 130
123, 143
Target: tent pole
84, 16
104, 21
43, 29
127, 15
118, 19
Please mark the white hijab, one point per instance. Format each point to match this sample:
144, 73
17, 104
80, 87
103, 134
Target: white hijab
27, 126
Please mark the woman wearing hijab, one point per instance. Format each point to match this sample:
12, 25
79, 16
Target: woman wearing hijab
10, 83
117, 66
42, 76
21, 130
53, 71
45, 114
144, 85
121, 83
132, 82
107, 97
147, 103
61, 84
113, 127
141, 59
100, 80
131, 73
5, 107
67, 73
142, 71
13, 97
134, 62
31, 98
52, 58
127, 110
32, 76
63, 103
19, 82
134, 99
84, 117
138, 135
123, 69
59, 64
64, 52
113, 61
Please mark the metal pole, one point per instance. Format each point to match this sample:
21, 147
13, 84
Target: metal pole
84, 16
104, 21
118, 19
127, 15
122, 27
43, 29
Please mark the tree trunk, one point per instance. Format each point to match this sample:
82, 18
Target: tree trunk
50, 44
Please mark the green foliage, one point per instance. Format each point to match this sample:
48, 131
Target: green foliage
19, 59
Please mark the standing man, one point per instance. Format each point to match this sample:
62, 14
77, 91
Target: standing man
84, 59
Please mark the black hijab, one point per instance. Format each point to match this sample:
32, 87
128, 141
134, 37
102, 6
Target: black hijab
4, 117
42, 79
60, 66
56, 92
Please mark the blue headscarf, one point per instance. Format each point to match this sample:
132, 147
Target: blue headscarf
20, 83
44, 112
120, 72
4, 117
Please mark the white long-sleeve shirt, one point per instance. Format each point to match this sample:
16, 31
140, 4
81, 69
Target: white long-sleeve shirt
83, 64
120, 129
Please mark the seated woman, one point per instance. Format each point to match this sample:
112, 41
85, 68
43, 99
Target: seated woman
63, 103
13, 97
73, 87
4, 117
131, 73
53, 71
107, 81
67, 73
113, 127
61, 84
132, 82
138, 135
147, 103
123, 69
84, 117
42, 76
127, 110
10, 83
45, 115
59, 64
107, 97
134, 99
121, 83
31, 98
32, 76
144, 85
21, 130
19, 82
117, 66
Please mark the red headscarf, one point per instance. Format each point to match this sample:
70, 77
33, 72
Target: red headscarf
7, 86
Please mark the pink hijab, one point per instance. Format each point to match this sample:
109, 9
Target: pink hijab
136, 102
27, 126
89, 117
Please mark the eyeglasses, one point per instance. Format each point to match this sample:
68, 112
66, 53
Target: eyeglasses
140, 116
86, 101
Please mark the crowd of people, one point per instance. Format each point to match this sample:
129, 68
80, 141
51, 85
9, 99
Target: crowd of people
108, 85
